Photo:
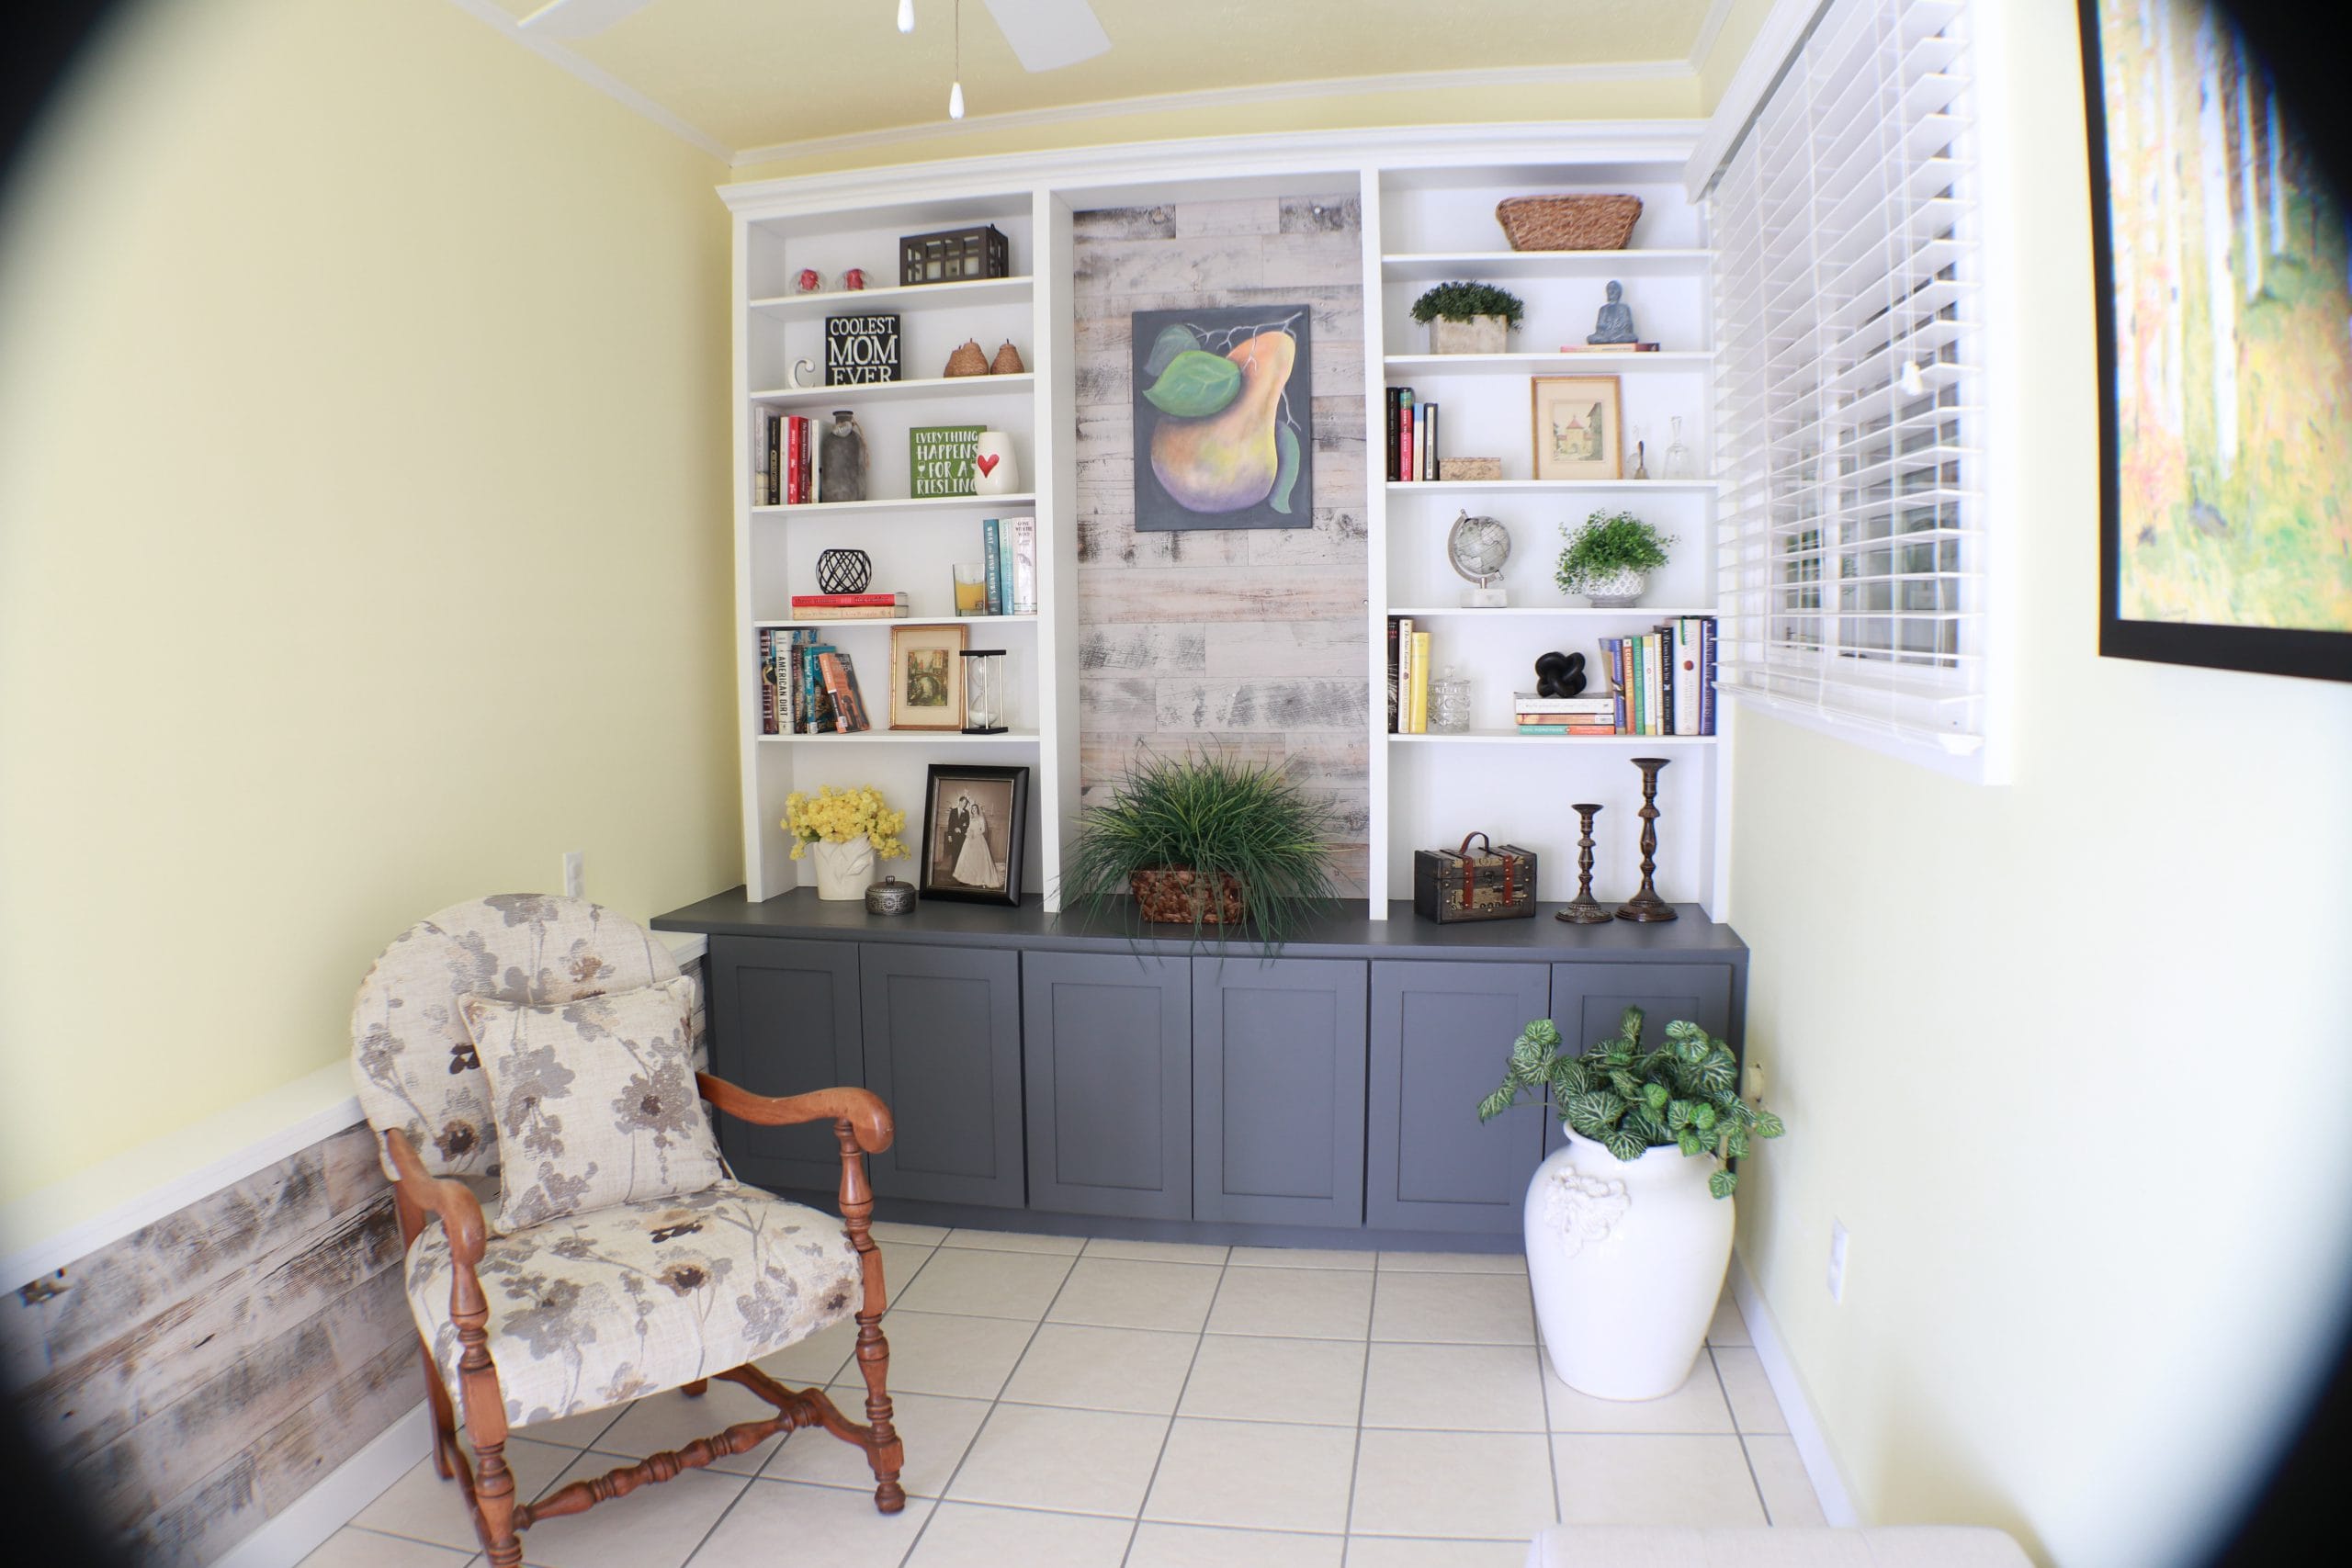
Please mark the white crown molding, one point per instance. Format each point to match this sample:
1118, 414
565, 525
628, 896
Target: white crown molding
612, 86
1711, 27
1225, 97
1290, 155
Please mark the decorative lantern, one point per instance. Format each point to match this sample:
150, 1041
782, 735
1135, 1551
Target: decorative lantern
984, 690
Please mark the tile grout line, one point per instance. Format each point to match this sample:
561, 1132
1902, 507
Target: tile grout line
1364, 1393
1199, 1341
1746, 1457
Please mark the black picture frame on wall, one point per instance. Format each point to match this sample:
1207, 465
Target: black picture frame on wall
2323, 654
971, 814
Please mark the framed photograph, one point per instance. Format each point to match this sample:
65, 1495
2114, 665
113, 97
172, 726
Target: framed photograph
1577, 430
927, 677
975, 830
2219, 257
1224, 402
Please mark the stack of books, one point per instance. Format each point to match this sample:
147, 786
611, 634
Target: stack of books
1408, 678
1412, 437
1665, 678
1566, 716
807, 687
1009, 558
848, 606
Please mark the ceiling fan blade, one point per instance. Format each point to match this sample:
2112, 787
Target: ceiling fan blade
579, 19
1049, 34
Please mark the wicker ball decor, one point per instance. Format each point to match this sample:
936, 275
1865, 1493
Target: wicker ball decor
1569, 222
1007, 361
968, 360
843, 572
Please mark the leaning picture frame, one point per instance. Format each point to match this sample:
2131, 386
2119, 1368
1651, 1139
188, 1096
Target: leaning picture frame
975, 833
926, 677
1576, 427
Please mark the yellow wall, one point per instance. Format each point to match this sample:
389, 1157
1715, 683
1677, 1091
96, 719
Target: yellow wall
1742, 21
363, 538
2059, 1054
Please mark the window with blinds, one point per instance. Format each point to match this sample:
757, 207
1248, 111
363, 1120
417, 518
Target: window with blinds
1850, 552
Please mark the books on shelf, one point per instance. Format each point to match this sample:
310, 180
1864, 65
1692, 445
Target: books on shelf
848, 606
807, 687
1665, 678
1409, 677
1412, 437
1009, 565
1609, 348
839, 678
784, 470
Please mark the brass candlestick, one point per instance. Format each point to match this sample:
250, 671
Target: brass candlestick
1646, 905
1584, 909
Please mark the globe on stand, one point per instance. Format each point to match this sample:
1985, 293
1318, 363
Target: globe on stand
1478, 547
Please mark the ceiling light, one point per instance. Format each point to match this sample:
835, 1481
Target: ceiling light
956, 92
906, 15
955, 101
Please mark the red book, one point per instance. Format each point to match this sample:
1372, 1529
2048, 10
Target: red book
838, 600
837, 682
793, 494
1405, 437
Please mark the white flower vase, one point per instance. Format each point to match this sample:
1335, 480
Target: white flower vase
995, 470
843, 871
1626, 1261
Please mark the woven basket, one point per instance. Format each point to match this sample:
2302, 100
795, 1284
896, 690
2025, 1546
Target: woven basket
1569, 222
1170, 896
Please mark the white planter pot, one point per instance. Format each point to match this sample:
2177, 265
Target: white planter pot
1479, 335
843, 871
1626, 1261
1616, 592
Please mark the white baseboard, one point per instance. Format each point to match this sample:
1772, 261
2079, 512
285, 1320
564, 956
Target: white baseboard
300, 1528
1837, 1506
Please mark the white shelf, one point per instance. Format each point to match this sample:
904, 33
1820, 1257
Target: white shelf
840, 301
1681, 359
1436, 266
929, 387
903, 503
901, 621
1511, 737
905, 737
1663, 612
1532, 487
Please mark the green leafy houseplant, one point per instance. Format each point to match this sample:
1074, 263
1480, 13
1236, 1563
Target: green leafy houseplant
1253, 842
1460, 301
1630, 1100
1607, 545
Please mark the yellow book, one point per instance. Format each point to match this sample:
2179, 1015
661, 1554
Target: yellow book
1421, 682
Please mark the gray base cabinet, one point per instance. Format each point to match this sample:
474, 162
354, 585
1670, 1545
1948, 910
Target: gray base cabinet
942, 1027
784, 1019
1588, 1000
1108, 1044
1278, 1090
1440, 1036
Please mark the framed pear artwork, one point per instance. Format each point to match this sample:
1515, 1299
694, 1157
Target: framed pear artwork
1223, 418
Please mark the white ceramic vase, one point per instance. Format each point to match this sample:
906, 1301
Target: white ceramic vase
995, 470
1616, 592
843, 871
1626, 1260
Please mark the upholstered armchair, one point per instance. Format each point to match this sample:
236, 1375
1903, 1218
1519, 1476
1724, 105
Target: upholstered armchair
533, 1306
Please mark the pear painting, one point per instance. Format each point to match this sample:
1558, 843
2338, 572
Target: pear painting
1221, 411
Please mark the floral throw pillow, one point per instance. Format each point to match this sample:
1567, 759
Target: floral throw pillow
595, 1101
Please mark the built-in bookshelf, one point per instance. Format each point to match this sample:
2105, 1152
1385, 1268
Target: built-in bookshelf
1427, 200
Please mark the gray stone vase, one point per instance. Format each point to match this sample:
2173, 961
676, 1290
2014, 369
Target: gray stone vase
841, 459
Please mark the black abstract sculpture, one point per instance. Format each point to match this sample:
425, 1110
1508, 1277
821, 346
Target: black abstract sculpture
1559, 674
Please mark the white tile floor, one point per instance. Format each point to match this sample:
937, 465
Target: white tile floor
1071, 1404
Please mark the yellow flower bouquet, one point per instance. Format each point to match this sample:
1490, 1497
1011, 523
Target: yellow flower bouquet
841, 816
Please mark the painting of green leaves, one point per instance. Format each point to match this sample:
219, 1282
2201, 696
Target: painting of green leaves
2226, 352
1222, 418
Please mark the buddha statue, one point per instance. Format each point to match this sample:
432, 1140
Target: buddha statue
1615, 323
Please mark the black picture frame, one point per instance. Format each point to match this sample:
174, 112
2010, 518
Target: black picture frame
1007, 790
2315, 654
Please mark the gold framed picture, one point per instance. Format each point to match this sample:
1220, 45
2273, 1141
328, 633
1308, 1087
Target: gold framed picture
1577, 427
926, 677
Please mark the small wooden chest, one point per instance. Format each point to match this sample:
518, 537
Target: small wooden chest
1496, 884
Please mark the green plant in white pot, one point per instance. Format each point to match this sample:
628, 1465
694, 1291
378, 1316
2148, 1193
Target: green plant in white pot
1610, 556
1628, 1223
1468, 317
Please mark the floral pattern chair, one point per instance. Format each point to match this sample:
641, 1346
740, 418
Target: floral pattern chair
592, 1309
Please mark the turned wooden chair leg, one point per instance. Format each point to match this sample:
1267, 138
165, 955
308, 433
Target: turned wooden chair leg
485, 1407
887, 1455
495, 1496
695, 1389
445, 1419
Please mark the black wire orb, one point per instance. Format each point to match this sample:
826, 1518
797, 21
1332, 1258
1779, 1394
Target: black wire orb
843, 572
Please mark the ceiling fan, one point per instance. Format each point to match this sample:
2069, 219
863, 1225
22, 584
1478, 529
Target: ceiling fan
1045, 35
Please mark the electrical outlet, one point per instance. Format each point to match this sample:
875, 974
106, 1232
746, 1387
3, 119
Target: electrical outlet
1837, 1261
575, 874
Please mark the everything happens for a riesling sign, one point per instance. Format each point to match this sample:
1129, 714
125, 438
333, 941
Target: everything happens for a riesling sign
940, 458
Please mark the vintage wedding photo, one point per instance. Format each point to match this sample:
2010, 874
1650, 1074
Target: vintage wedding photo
974, 833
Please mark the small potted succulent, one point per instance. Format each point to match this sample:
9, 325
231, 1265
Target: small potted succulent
1608, 558
1628, 1224
1204, 841
1468, 317
843, 830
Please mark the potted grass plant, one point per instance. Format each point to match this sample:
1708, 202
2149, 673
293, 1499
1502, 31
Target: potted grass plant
1608, 558
1203, 840
1468, 317
1629, 1223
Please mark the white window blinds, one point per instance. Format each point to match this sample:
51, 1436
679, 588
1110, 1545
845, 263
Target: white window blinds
1849, 555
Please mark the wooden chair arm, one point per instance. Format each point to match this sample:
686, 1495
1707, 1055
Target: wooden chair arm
861, 1109
460, 1209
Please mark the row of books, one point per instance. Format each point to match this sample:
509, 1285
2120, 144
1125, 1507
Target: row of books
1009, 562
1665, 678
807, 687
1412, 437
785, 461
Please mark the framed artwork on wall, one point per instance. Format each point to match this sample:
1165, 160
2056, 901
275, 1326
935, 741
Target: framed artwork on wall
974, 831
2220, 260
926, 682
1576, 427
1223, 429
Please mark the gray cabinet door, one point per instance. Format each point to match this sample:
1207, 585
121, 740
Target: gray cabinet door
1441, 1033
1587, 1000
943, 1048
1278, 1086
784, 1019
1107, 1044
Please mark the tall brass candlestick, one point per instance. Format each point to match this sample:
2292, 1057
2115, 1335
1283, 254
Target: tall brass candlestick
1646, 905
1584, 909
